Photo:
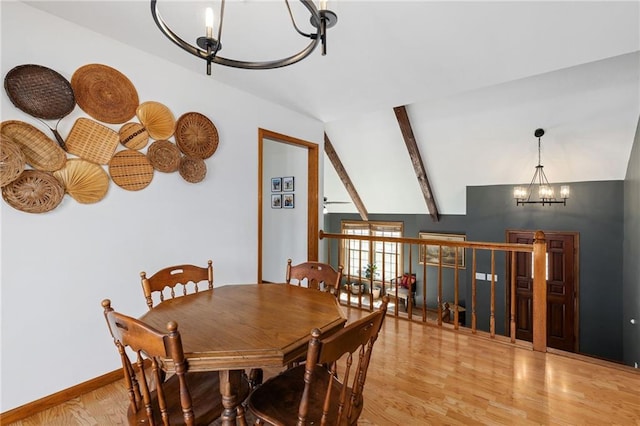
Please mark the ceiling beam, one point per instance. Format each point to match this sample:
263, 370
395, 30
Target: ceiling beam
416, 160
344, 177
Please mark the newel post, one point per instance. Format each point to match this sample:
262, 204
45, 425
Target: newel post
539, 292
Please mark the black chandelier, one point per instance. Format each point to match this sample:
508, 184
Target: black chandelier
208, 47
546, 193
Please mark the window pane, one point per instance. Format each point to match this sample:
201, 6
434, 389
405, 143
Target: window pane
387, 256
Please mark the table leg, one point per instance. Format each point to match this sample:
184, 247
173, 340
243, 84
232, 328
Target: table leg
230, 382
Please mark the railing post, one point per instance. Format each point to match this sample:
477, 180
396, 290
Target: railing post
539, 292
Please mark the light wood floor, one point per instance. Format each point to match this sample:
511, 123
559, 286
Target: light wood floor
422, 375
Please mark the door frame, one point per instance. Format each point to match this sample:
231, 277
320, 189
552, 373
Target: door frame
576, 274
312, 190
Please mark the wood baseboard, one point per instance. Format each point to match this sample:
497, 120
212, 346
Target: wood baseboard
24, 411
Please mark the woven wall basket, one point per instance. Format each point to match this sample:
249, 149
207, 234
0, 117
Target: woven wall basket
164, 156
11, 161
133, 135
192, 169
85, 182
40, 151
92, 141
130, 170
196, 135
39, 91
105, 93
34, 192
157, 119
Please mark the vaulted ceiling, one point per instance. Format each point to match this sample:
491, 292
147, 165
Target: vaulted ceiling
477, 78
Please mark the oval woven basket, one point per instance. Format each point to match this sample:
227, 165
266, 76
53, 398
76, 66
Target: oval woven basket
40, 151
192, 169
39, 91
11, 161
34, 191
105, 93
133, 135
157, 119
196, 135
164, 156
130, 170
84, 181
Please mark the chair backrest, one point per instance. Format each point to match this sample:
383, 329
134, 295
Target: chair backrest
175, 276
147, 345
315, 273
336, 370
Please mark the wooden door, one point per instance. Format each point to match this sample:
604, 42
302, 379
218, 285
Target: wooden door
562, 318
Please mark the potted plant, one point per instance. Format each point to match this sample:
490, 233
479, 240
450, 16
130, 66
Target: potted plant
369, 273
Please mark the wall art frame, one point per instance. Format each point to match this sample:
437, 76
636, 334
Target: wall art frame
276, 184
430, 254
288, 201
276, 201
288, 184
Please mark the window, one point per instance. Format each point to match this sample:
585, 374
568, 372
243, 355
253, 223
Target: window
386, 256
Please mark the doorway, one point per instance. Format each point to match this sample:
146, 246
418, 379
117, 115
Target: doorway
562, 288
310, 201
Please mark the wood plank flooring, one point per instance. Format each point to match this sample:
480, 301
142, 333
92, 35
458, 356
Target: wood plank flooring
424, 375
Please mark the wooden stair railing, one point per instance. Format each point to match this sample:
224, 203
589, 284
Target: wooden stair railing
411, 245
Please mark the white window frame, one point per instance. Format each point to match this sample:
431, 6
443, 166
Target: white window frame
356, 254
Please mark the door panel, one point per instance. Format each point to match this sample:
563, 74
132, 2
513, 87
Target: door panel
561, 289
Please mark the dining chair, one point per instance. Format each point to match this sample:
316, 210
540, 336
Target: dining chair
173, 277
318, 275
328, 388
185, 398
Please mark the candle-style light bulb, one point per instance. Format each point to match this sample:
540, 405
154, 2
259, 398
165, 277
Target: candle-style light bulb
209, 22
323, 4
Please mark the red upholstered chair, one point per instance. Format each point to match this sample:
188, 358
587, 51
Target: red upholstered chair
403, 288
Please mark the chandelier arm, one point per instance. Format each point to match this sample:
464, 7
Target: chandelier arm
533, 181
293, 21
211, 56
173, 36
266, 65
219, 45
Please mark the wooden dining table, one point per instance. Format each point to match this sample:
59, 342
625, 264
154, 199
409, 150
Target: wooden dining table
235, 327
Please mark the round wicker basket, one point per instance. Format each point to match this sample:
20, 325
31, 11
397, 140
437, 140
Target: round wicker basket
196, 135
84, 181
40, 151
105, 93
192, 169
130, 170
157, 119
164, 156
11, 161
134, 136
34, 192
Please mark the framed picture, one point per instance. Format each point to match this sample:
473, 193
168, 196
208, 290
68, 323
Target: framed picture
276, 201
287, 184
430, 254
287, 201
276, 184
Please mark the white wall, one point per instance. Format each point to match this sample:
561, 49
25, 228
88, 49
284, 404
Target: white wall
57, 267
284, 230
